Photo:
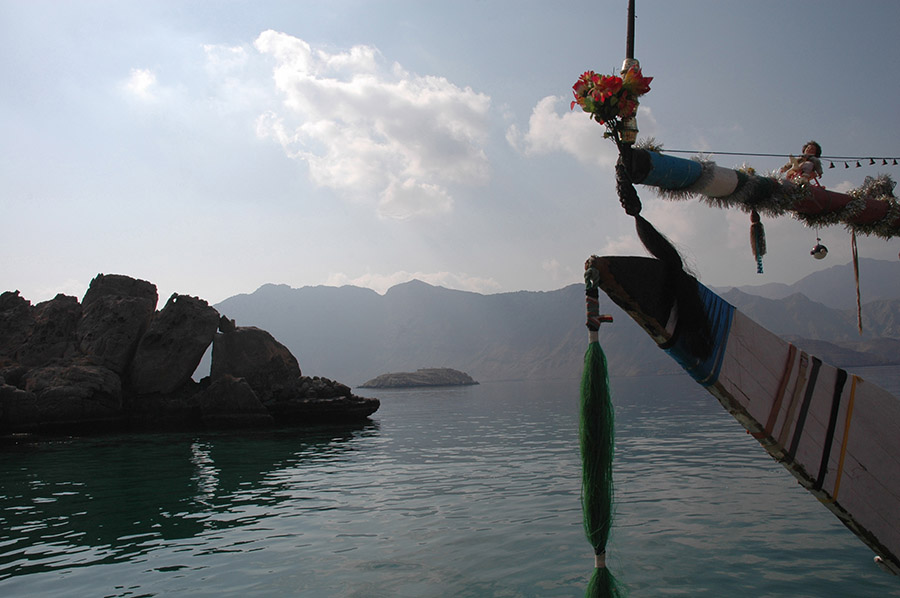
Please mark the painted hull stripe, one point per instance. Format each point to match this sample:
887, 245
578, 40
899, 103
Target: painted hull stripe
795, 399
782, 387
832, 424
840, 468
804, 408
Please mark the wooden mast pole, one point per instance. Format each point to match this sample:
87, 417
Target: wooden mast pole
629, 128
629, 32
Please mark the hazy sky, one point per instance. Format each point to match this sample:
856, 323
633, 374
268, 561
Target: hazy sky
212, 147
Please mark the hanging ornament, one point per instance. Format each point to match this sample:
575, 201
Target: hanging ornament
819, 251
757, 240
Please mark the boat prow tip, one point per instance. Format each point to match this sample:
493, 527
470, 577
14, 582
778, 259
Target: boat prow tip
886, 566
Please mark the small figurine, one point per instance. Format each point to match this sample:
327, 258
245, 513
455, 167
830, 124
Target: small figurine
807, 168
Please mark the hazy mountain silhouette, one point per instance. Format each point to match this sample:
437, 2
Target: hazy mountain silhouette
836, 286
352, 334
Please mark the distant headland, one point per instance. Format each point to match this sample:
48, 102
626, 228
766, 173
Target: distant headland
421, 377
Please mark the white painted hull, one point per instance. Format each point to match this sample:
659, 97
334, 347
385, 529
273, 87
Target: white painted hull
836, 432
841, 441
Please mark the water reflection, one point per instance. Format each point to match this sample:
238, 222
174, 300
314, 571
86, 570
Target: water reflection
79, 502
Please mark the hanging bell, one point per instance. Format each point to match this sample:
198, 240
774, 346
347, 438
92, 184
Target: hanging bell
819, 251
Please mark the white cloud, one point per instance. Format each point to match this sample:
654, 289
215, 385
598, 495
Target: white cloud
844, 187
141, 83
224, 59
410, 198
558, 273
380, 283
625, 244
572, 132
370, 131
686, 224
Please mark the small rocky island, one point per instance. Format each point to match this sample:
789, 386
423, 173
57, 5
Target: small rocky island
421, 377
114, 363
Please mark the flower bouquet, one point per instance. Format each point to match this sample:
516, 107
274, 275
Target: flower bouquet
611, 100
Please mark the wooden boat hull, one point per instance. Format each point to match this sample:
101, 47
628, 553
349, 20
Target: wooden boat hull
834, 431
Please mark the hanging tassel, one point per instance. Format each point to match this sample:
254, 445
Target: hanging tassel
856, 276
596, 434
757, 240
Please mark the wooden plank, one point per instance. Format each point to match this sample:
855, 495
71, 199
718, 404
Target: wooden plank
835, 432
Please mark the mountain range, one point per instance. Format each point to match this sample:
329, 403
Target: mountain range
354, 334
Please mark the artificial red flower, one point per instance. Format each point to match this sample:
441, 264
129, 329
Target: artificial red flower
636, 83
627, 107
607, 87
582, 88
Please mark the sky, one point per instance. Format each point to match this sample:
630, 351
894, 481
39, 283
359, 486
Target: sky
213, 147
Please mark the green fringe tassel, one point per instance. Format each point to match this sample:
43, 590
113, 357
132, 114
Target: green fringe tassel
596, 432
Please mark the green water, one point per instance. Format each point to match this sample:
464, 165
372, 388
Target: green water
467, 491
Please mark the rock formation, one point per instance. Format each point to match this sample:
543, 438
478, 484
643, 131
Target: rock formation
112, 362
421, 377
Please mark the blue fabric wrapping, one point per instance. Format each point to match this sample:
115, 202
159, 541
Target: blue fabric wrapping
720, 313
669, 172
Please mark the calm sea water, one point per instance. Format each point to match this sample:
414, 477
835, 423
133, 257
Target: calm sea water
469, 492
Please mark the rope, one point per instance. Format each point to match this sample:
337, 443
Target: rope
856, 277
871, 159
628, 196
678, 284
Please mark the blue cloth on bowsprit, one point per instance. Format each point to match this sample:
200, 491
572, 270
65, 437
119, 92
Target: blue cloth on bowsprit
720, 314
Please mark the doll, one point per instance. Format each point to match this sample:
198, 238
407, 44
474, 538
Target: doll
807, 168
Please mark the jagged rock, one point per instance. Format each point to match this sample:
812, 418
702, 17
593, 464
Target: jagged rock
176, 410
226, 325
318, 399
255, 355
421, 377
16, 322
119, 285
12, 374
110, 328
18, 409
116, 311
86, 395
274, 375
53, 332
230, 402
173, 345
62, 366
